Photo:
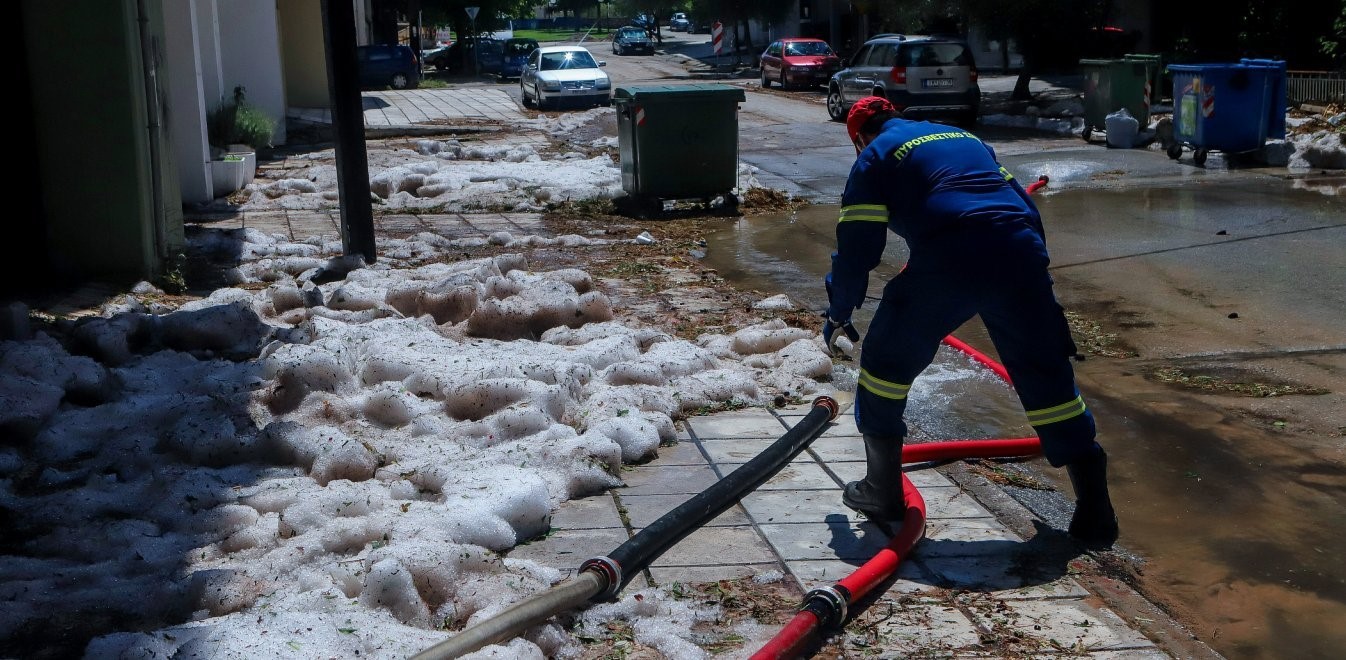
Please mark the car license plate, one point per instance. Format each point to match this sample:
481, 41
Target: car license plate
937, 82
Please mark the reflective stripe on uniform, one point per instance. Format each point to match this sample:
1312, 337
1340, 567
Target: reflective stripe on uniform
1072, 408
880, 387
1005, 173
864, 213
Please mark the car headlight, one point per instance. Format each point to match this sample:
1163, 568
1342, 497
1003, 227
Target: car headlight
603, 83
551, 85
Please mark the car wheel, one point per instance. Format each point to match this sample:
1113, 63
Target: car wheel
527, 100
835, 106
399, 81
783, 84
766, 84
441, 66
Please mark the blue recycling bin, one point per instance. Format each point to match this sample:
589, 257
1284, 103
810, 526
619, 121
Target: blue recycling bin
1223, 107
1279, 98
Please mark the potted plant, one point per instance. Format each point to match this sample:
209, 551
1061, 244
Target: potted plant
239, 128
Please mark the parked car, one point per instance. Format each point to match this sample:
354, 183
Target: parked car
556, 74
679, 22
631, 38
458, 57
387, 65
516, 52
437, 57
923, 76
798, 61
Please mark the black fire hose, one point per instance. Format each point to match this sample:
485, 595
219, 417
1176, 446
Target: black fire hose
601, 578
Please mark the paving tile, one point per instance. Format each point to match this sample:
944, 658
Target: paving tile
594, 512
568, 548
951, 502
714, 546
735, 450
660, 479
684, 452
1002, 575
968, 538
798, 507
1071, 623
796, 475
642, 510
737, 425
821, 573
839, 448
1152, 653
825, 540
667, 575
925, 629
848, 471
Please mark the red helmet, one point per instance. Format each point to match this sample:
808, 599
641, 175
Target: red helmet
861, 112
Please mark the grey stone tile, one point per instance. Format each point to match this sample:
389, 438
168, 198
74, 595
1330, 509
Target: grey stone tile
968, 538
667, 575
832, 447
738, 424
684, 452
951, 502
671, 479
735, 450
1152, 653
1002, 575
796, 475
1070, 623
568, 548
594, 512
848, 471
825, 540
715, 546
821, 573
923, 629
798, 507
642, 510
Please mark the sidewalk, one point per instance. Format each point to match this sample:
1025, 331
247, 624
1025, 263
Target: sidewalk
392, 108
972, 579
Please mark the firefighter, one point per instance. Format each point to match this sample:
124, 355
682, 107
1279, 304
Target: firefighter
976, 247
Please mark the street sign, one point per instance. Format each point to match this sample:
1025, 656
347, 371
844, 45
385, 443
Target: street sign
717, 36
472, 12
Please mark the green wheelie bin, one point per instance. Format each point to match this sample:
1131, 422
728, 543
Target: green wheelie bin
677, 142
1110, 85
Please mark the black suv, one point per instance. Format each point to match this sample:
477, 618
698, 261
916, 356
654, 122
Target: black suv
923, 76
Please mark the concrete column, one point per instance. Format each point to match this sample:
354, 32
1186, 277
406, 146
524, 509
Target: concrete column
251, 56
187, 98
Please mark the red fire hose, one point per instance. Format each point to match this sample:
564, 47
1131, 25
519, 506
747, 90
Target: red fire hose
827, 607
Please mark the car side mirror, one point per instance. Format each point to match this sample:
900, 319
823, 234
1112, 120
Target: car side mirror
602, 62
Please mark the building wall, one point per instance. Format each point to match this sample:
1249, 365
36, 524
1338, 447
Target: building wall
187, 98
251, 56
303, 53
94, 159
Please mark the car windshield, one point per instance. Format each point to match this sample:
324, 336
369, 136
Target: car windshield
571, 59
807, 48
633, 34
936, 55
520, 47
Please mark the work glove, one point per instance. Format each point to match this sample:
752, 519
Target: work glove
834, 329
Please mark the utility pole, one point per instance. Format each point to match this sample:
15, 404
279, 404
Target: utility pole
476, 43
348, 122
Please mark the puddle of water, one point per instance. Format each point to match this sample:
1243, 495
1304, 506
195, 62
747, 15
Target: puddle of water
1243, 536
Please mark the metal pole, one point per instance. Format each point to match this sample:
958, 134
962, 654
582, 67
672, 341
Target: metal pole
476, 49
348, 123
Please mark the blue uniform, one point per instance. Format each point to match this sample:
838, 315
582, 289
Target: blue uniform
977, 248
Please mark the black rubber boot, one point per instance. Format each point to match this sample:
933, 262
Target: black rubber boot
879, 494
1095, 523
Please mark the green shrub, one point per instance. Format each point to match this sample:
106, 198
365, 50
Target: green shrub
239, 122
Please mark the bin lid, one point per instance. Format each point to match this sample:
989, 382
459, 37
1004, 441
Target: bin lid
678, 93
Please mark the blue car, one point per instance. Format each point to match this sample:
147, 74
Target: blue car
385, 65
516, 52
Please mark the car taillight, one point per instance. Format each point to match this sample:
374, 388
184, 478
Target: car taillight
972, 74
899, 75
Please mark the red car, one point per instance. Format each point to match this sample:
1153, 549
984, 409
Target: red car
798, 61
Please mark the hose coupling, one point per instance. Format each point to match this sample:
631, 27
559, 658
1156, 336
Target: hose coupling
833, 408
610, 570
828, 604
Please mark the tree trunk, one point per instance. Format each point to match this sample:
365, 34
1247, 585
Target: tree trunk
1021, 91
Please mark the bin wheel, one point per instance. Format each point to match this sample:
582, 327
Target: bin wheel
730, 205
1087, 133
1199, 157
1175, 151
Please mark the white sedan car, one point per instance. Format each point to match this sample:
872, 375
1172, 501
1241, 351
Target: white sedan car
556, 74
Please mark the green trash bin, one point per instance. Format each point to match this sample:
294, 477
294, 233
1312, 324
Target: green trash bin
1110, 85
678, 142
1156, 70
